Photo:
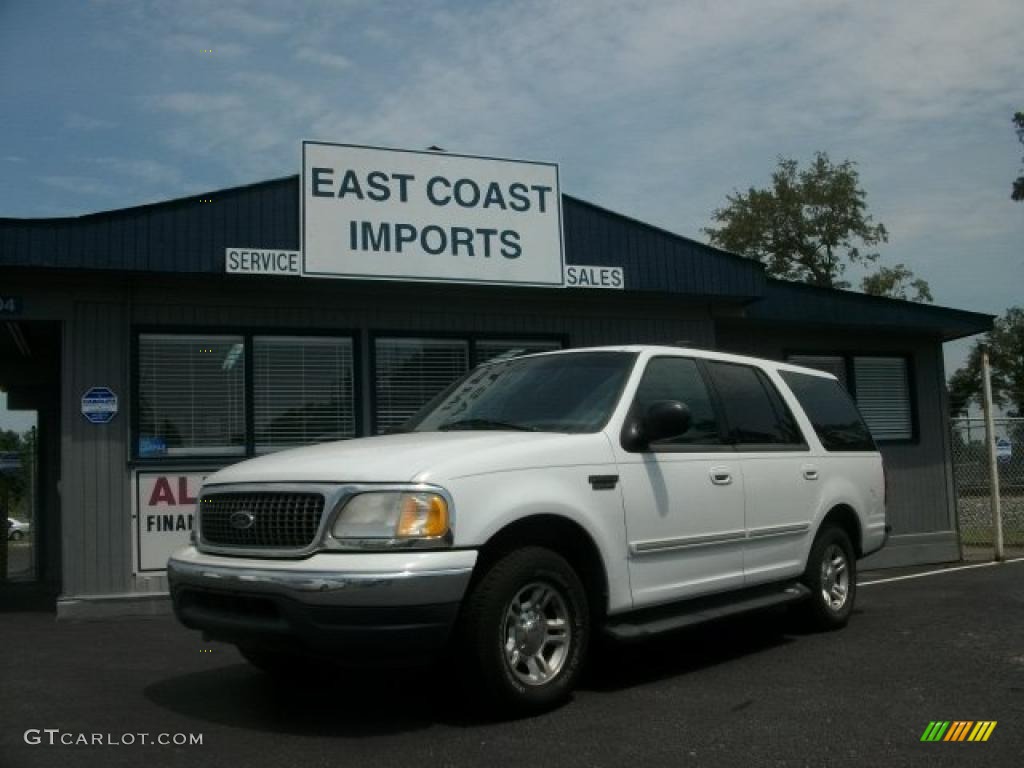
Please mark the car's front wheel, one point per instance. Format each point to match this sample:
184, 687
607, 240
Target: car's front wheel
524, 631
17, 535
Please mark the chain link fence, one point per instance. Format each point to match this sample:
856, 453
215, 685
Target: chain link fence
973, 484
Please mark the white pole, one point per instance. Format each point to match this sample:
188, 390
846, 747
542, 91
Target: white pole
993, 468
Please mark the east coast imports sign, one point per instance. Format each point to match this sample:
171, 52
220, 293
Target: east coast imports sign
405, 215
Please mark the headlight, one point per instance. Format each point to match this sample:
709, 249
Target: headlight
393, 515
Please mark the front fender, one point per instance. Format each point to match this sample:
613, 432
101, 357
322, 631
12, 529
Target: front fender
486, 504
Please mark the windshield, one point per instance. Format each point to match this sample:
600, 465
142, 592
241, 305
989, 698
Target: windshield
570, 392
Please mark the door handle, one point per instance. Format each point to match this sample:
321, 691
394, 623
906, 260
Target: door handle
810, 472
720, 475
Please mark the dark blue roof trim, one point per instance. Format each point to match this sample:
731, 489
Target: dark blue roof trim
801, 304
187, 235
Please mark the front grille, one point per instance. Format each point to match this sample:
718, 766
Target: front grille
266, 519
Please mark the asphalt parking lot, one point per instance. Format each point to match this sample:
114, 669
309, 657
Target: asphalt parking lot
744, 692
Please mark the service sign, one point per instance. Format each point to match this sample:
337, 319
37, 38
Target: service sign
405, 215
165, 511
261, 261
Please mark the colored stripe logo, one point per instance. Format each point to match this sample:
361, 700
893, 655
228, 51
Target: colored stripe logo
958, 730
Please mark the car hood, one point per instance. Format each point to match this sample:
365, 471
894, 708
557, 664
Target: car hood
429, 457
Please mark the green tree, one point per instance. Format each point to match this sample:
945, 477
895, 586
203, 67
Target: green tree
809, 226
1018, 183
1005, 343
12, 484
896, 282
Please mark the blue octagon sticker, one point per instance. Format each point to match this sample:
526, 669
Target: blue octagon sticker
99, 405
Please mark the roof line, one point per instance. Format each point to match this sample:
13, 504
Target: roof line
157, 204
295, 176
857, 295
663, 231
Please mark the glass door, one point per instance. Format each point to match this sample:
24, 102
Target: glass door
19, 493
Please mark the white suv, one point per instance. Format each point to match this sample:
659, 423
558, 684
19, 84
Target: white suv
538, 500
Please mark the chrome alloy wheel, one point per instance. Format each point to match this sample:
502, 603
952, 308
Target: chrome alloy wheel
835, 578
536, 633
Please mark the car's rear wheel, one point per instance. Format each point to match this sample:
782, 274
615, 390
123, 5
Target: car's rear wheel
17, 535
524, 631
831, 576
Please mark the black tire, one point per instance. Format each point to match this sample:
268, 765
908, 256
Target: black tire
17, 535
487, 620
275, 663
819, 612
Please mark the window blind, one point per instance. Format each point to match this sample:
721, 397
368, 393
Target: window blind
191, 395
488, 349
883, 396
302, 391
408, 372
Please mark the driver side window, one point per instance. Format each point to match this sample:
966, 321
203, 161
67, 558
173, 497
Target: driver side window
677, 378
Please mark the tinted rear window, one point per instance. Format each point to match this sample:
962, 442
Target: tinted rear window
832, 413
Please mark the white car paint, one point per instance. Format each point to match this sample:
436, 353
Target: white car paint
17, 529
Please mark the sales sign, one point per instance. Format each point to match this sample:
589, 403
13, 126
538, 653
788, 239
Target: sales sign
165, 511
406, 215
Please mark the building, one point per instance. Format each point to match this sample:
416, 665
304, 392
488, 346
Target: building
150, 364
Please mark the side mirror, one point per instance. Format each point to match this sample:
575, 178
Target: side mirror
663, 419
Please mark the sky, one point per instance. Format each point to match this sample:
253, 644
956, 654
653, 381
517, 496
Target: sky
654, 109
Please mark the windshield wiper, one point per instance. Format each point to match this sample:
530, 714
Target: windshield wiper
483, 424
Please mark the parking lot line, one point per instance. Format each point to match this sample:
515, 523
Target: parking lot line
937, 572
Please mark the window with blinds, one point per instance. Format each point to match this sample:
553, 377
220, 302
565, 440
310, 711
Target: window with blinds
883, 396
302, 391
408, 372
488, 349
191, 395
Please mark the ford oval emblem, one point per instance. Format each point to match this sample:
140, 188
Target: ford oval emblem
242, 520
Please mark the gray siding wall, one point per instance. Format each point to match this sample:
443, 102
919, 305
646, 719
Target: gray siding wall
96, 519
102, 318
921, 504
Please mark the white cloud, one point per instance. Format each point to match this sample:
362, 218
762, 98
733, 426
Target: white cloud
237, 19
327, 59
208, 46
148, 172
76, 121
196, 103
81, 185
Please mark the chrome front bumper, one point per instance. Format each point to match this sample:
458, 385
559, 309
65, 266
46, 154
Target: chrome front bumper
328, 602
364, 579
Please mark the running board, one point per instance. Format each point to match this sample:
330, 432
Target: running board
653, 621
